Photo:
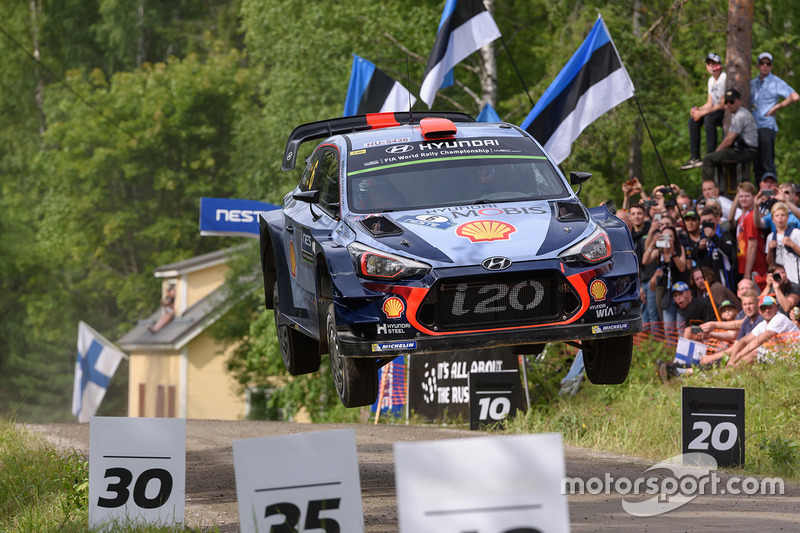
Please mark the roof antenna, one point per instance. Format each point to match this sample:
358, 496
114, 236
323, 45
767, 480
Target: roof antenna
408, 82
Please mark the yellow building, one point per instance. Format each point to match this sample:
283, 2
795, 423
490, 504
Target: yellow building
179, 371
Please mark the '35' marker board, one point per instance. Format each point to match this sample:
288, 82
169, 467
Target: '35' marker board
302, 482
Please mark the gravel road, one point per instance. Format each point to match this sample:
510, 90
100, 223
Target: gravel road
211, 490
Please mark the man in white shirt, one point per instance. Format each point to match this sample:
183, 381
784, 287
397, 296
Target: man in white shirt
709, 115
751, 347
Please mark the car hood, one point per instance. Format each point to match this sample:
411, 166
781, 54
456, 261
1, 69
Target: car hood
469, 234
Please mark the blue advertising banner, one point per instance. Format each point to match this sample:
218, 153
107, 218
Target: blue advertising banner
230, 216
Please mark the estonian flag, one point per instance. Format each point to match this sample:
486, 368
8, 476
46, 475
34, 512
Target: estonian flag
591, 83
372, 91
98, 359
466, 25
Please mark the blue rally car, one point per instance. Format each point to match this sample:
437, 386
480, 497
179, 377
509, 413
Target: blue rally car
410, 234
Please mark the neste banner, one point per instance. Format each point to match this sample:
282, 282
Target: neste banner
231, 216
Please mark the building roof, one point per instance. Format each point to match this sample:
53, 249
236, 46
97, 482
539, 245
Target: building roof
193, 264
178, 331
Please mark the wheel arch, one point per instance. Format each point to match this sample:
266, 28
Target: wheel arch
272, 261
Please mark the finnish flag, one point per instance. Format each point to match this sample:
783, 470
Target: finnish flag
592, 82
465, 26
371, 90
97, 361
689, 352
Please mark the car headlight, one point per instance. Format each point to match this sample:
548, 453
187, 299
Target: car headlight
371, 263
593, 249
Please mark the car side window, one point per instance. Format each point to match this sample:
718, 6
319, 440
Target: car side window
328, 181
310, 179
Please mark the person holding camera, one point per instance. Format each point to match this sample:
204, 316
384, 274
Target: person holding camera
783, 244
665, 249
781, 288
715, 248
768, 195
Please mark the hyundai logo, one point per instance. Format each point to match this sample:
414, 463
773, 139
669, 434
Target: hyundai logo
496, 263
399, 149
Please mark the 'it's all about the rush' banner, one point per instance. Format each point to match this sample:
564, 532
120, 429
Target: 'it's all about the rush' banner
438, 383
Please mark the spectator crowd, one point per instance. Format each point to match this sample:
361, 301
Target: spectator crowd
722, 267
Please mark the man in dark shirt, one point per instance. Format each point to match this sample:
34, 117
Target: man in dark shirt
715, 249
691, 311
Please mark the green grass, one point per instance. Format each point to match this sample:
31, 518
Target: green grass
44, 490
642, 417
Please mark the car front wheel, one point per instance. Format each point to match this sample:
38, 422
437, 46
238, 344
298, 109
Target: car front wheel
356, 379
607, 361
300, 353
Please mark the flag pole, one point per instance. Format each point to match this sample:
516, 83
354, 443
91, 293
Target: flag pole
675, 198
519, 75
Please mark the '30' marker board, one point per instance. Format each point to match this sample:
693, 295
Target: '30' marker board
137, 471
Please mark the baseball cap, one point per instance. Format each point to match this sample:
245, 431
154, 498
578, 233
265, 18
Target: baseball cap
680, 286
690, 214
769, 176
732, 94
762, 55
766, 301
714, 57
726, 303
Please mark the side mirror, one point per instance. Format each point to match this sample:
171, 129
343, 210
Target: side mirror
577, 178
309, 197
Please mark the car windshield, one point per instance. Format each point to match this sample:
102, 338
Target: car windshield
420, 184
391, 176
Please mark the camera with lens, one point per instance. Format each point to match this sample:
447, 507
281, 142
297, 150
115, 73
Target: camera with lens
708, 224
665, 190
776, 277
647, 204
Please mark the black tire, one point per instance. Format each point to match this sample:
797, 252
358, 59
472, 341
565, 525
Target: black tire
356, 379
300, 353
607, 361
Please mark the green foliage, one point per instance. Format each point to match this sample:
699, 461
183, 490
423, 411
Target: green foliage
144, 112
41, 487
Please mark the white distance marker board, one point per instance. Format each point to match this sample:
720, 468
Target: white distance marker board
137, 471
301, 482
482, 485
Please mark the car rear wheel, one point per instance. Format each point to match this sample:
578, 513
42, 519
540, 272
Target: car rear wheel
356, 379
300, 353
607, 361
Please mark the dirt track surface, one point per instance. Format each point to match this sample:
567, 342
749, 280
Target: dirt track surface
211, 489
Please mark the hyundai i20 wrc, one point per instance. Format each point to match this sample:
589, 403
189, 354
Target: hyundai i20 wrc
410, 234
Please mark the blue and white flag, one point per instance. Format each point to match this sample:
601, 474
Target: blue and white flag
371, 90
488, 114
231, 216
592, 82
465, 26
97, 361
689, 352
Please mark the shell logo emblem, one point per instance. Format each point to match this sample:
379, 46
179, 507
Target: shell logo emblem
598, 290
292, 260
486, 230
393, 307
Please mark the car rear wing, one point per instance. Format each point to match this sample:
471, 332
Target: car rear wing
373, 121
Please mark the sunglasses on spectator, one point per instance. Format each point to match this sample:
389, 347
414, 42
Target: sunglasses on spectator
769, 63
728, 101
